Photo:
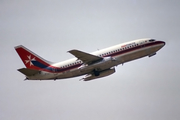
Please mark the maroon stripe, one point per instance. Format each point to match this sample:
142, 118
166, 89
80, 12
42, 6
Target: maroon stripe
134, 48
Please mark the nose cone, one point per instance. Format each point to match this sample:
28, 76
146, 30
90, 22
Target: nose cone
162, 43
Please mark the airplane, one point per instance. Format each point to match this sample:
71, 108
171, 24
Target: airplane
93, 65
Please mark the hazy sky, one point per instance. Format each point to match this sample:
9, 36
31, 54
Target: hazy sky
145, 89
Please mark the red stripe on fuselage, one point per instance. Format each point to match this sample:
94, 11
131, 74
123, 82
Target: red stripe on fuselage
130, 49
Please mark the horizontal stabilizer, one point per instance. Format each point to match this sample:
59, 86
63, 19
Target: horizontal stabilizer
28, 72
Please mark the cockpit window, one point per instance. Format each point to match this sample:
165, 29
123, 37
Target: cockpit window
151, 40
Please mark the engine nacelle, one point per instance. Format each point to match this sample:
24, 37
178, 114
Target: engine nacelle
103, 64
102, 74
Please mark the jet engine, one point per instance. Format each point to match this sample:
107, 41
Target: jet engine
103, 73
106, 63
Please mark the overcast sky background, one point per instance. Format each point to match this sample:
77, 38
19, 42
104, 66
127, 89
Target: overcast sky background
144, 89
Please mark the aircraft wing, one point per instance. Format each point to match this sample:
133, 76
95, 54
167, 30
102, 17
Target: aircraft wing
85, 57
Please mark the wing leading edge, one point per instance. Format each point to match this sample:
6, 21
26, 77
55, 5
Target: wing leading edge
85, 57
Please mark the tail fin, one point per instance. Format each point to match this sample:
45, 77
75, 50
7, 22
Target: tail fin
30, 59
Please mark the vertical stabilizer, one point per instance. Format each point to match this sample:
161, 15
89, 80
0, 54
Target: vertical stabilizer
29, 58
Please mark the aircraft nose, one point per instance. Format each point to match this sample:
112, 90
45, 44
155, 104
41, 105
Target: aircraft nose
163, 43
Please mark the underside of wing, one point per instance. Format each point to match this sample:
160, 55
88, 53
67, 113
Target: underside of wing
28, 72
85, 57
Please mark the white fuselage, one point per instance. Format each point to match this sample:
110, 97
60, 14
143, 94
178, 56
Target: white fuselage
113, 56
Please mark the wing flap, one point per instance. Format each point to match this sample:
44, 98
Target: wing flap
28, 72
85, 57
